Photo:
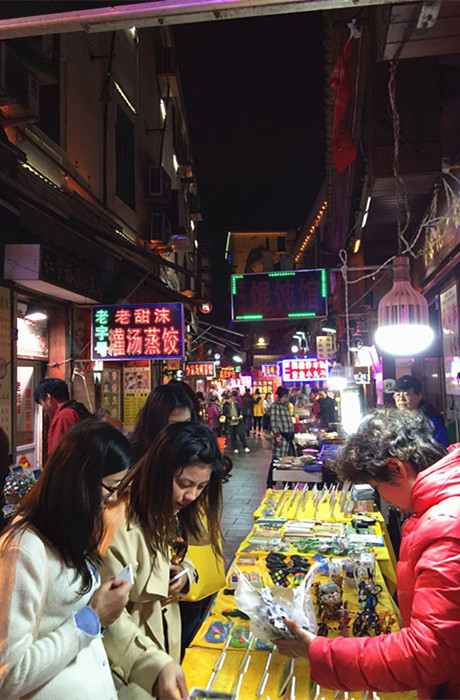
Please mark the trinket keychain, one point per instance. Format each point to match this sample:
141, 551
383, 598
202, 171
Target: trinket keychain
217, 632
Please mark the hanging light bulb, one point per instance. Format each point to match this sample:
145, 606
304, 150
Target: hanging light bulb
337, 379
403, 327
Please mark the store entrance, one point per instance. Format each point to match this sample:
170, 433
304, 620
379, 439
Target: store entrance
29, 434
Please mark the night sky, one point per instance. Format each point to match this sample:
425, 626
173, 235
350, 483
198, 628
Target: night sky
253, 91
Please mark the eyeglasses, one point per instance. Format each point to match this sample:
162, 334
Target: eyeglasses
111, 489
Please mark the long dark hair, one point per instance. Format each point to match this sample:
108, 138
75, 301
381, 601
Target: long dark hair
155, 413
150, 486
65, 505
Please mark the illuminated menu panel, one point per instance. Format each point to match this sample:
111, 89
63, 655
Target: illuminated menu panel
304, 369
147, 332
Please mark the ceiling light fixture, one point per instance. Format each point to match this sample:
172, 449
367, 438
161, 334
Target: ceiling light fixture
36, 313
403, 321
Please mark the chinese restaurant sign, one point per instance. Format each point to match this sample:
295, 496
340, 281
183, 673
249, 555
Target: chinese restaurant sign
228, 372
270, 371
272, 296
200, 369
304, 370
143, 332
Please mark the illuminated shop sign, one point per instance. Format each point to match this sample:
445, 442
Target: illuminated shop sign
228, 372
243, 382
277, 296
304, 369
147, 332
270, 371
200, 369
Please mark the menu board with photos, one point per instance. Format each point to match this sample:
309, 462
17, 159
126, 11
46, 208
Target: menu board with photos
111, 392
136, 388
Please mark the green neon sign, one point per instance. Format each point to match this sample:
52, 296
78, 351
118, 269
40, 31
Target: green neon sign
281, 274
249, 317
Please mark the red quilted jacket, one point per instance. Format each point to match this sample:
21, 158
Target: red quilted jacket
425, 654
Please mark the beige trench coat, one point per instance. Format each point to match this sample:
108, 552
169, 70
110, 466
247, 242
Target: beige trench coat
147, 635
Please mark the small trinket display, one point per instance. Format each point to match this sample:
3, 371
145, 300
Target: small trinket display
21, 480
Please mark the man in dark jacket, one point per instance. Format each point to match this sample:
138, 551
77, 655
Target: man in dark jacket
53, 396
248, 411
408, 396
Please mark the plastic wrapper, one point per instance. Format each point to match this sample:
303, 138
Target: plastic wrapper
267, 607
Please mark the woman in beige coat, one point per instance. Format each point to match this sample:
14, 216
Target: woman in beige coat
158, 510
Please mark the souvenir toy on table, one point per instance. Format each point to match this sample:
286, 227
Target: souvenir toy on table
367, 619
267, 608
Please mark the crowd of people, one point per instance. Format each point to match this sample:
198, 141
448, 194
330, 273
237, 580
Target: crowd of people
70, 628
98, 562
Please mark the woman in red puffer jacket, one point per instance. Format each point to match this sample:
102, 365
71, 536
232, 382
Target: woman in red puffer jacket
395, 452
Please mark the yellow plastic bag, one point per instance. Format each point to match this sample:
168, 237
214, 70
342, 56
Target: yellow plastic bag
210, 569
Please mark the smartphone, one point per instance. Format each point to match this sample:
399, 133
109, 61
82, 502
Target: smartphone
126, 574
174, 578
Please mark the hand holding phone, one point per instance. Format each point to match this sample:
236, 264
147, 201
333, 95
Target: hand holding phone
126, 574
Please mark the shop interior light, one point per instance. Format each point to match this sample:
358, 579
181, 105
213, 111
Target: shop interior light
217, 355
329, 327
403, 324
36, 313
294, 348
237, 358
261, 341
350, 409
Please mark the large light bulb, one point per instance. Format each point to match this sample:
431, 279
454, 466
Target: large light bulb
403, 327
404, 340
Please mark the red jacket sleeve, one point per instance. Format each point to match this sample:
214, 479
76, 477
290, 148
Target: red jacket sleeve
60, 425
427, 652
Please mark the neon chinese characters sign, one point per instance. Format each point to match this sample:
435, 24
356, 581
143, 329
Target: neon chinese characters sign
200, 369
270, 371
304, 369
272, 296
147, 332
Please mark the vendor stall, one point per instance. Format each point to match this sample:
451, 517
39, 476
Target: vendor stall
296, 532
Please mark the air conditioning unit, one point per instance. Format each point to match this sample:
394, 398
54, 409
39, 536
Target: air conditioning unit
160, 229
166, 61
159, 184
195, 208
18, 83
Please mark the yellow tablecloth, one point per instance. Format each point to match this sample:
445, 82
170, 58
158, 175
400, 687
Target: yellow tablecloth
203, 654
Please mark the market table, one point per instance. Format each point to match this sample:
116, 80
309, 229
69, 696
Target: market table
219, 656
272, 505
297, 476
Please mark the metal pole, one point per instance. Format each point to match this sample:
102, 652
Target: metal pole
166, 12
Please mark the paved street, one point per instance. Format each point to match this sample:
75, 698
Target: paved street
243, 493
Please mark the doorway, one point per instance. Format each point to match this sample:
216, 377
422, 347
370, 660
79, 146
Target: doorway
29, 419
